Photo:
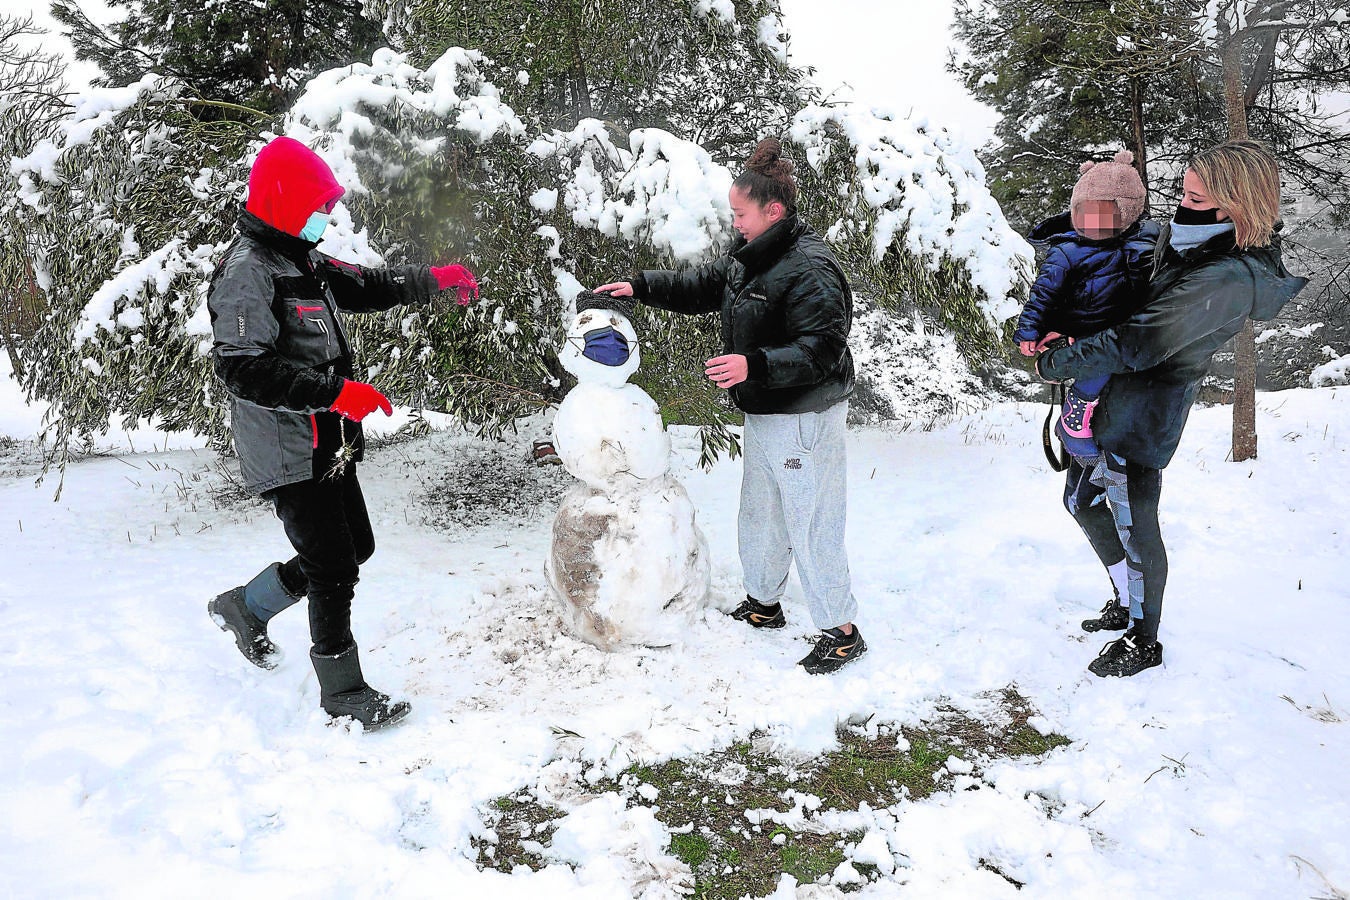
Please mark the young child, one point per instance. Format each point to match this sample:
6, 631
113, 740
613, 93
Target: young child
282, 354
1094, 275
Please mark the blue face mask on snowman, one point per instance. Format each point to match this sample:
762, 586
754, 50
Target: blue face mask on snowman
315, 227
606, 346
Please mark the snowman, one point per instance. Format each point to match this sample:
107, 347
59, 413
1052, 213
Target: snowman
628, 561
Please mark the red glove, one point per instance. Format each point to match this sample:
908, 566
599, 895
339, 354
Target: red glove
357, 400
459, 278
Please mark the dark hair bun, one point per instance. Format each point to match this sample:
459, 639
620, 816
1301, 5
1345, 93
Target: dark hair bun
768, 159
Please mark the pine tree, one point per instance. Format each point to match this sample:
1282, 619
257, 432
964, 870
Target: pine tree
1065, 79
257, 54
1184, 77
713, 73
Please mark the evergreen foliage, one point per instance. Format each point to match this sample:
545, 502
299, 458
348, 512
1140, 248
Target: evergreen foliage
715, 74
30, 103
126, 202
1074, 81
122, 219
256, 54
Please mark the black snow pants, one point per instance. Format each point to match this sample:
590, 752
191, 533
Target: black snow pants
327, 524
1116, 505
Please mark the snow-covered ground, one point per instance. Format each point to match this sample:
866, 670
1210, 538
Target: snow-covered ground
141, 756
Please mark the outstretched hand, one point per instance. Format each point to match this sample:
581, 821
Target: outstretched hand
459, 278
357, 400
617, 288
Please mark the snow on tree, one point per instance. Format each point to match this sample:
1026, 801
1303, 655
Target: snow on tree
131, 201
123, 209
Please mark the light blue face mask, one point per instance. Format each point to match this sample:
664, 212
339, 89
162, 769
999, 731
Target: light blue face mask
315, 227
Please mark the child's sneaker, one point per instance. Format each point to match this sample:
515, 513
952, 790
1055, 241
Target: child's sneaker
1076, 418
1082, 447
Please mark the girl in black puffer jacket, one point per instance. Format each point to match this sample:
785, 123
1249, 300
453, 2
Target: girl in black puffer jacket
785, 309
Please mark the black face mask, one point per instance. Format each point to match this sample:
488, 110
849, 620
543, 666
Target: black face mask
1187, 216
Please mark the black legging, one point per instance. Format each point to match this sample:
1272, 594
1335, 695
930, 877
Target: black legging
327, 523
1122, 523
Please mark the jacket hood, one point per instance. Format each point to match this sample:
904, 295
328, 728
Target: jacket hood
288, 183
1274, 285
1060, 228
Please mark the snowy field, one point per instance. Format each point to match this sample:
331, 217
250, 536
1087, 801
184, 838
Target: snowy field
141, 756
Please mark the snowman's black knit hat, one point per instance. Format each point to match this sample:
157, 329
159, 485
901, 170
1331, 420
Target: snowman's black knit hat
592, 300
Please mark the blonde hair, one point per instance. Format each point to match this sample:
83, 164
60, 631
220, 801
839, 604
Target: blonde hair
1243, 180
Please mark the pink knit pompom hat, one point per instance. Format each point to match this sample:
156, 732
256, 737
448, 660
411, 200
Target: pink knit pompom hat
1117, 181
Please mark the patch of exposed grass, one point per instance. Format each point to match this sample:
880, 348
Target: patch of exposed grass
522, 828
736, 815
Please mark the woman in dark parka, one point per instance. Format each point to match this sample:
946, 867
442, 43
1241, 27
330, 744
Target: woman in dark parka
1216, 264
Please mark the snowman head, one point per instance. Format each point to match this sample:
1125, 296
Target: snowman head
601, 344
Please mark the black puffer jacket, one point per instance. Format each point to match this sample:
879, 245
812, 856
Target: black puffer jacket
785, 305
1197, 300
281, 350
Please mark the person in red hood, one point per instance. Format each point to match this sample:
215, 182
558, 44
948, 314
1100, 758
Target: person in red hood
295, 409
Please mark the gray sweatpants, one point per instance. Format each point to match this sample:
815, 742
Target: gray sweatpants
793, 505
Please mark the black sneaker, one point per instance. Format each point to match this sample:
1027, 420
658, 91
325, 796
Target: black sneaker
1127, 655
1113, 617
834, 650
760, 615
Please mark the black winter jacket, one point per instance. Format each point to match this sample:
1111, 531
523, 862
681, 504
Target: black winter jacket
281, 350
785, 305
1197, 300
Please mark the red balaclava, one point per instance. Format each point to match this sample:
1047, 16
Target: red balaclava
288, 183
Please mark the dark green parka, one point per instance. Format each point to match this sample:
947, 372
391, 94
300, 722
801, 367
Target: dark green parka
1197, 300
785, 305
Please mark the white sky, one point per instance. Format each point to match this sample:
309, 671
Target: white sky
887, 53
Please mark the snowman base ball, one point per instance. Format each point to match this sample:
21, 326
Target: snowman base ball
630, 566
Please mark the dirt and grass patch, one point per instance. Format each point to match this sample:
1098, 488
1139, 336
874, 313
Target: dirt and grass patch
742, 816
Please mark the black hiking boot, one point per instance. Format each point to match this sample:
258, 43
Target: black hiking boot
834, 650
1113, 617
343, 692
250, 633
759, 615
1127, 655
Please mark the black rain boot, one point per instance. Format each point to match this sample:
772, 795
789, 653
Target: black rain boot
343, 692
244, 612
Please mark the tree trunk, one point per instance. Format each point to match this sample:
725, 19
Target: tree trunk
581, 85
1244, 348
1137, 134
